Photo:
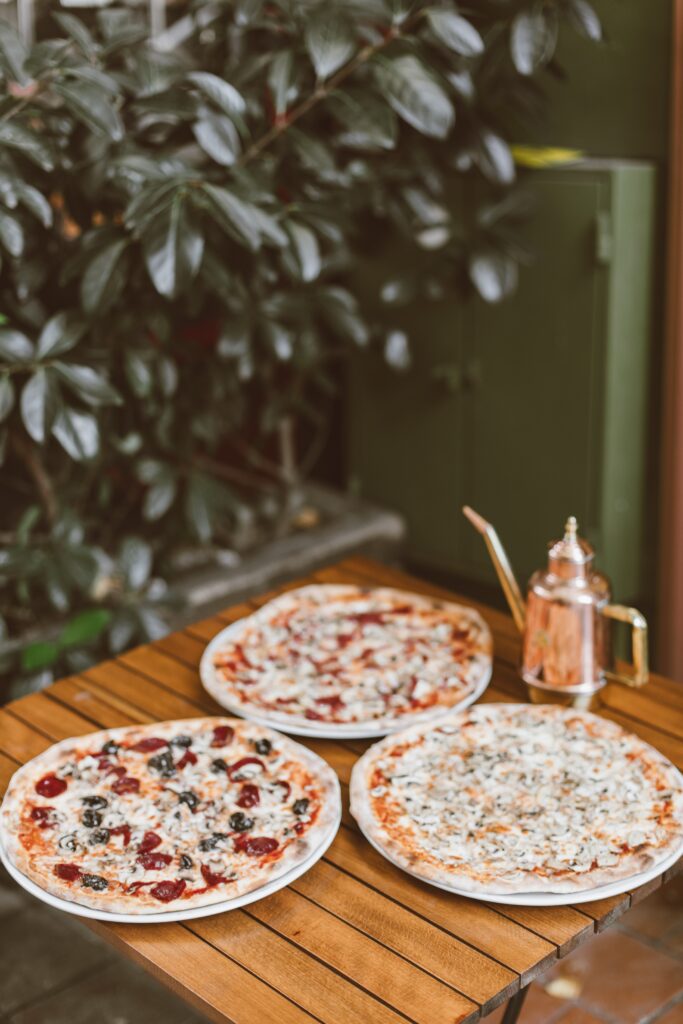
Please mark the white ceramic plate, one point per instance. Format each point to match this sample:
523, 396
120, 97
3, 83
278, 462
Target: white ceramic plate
174, 915
546, 899
321, 730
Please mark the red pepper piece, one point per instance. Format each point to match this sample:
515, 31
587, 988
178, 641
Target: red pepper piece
313, 715
187, 758
121, 830
249, 796
50, 786
154, 861
287, 789
149, 841
222, 735
126, 785
42, 815
67, 872
334, 703
149, 743
255, 846
210, 878
234, 769
167, 891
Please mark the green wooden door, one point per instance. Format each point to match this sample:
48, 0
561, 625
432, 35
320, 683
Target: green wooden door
532, 420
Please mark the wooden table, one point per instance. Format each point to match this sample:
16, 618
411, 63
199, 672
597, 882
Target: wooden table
354, 941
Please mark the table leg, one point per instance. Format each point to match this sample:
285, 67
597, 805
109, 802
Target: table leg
515, 1004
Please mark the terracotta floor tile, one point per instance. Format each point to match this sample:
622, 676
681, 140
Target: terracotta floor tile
576, 1014
658, 913
42, 949
539, 1008
119, 994
672, 1016
622, 977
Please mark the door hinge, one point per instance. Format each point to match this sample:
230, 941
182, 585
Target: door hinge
603, 237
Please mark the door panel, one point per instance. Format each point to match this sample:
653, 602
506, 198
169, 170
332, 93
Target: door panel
530, 425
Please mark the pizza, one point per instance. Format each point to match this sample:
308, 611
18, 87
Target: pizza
344, 658
514, 798
167, 816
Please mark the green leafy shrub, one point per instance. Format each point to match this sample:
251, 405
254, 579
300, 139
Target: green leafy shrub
177, 227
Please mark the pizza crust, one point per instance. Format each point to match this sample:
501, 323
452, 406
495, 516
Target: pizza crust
516, 882
296, 852
477, 670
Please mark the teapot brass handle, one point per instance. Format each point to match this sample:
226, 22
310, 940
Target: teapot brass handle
638, 625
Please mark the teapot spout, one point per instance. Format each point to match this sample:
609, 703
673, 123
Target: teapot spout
501, 564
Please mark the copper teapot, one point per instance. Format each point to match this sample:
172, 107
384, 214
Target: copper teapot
566, 628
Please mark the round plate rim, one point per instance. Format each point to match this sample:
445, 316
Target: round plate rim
207, 675
167, 917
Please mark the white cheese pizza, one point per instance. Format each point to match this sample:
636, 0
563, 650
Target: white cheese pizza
514, 798
348, 660
168, 816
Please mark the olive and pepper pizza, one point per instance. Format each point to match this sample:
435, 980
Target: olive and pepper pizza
348, 660
168, 816
513, 798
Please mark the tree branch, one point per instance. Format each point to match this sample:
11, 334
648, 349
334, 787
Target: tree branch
322, 92
30, 455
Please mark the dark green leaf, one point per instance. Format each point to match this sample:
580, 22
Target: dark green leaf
173, 247
39, 655
59, 335
28, 142
135, 562
585, 20
397, 350
77, 433
235, 215
219, 91
416, 96
455, 32
329, 43
103, 281
159, 499
306, 250
340, 310
268, 227
87, 384
11, 234
495, 158
533, 36
493, 274
152, 625
139, 374
93, 106
13, 52
36, 202
369, 123
280, 78
218, 137
121, 631
85, 627
198, 508
80, 34
6, 396
39, 400
15, 346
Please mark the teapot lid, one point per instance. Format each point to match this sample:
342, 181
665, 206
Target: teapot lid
570, 556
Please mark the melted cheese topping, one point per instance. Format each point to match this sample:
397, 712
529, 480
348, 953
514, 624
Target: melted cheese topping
346, 655
500, 792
